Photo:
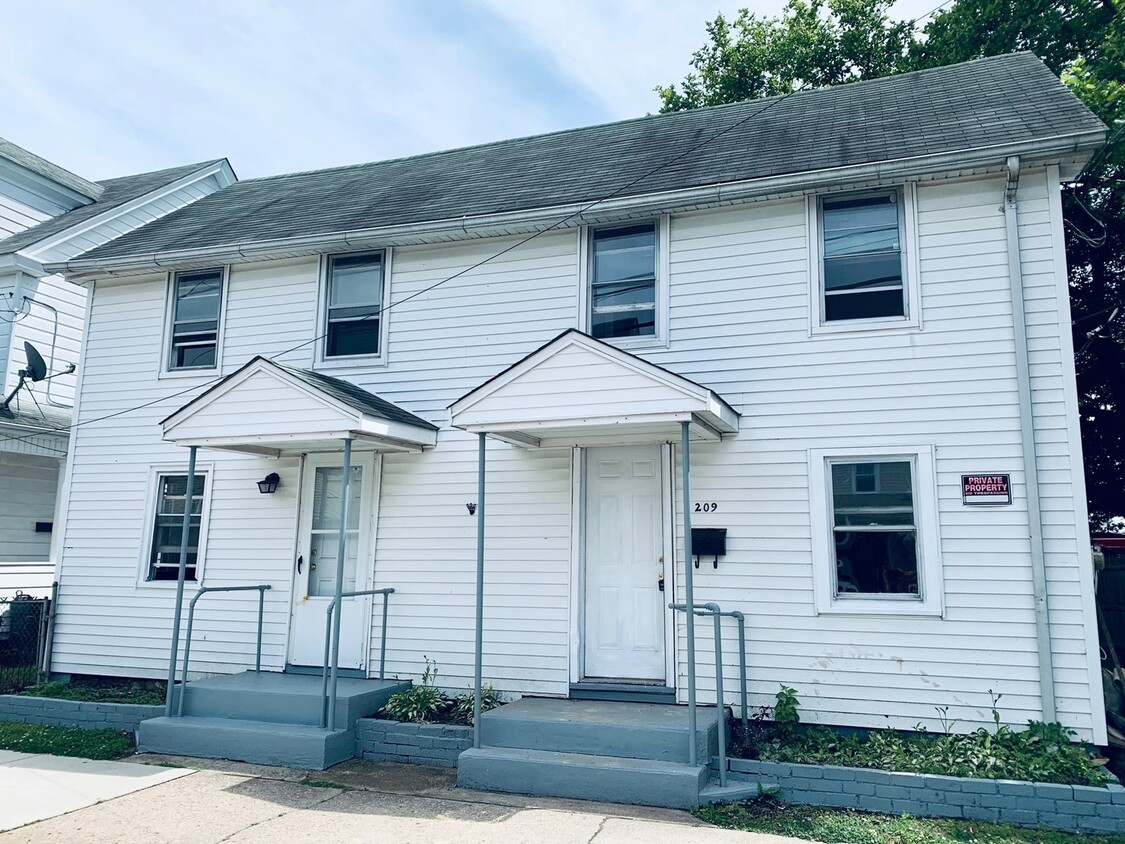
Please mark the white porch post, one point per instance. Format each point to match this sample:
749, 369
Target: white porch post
480, 590
175, 651
689, 595
341, 557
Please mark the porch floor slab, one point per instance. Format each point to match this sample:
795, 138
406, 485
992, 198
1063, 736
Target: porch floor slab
607, 728
284, 698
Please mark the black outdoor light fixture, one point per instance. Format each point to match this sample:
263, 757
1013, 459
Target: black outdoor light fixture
472, 508
269, 483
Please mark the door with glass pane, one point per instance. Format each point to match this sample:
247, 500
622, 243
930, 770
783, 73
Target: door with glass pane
318, 552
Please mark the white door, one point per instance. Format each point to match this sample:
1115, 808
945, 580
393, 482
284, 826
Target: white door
317, 548
625, 609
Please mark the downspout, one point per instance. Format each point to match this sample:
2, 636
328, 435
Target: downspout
1027, 438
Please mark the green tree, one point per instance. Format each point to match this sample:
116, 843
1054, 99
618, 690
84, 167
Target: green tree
814, 43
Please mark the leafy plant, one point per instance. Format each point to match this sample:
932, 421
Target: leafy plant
421, 703
150, 692
1041, 753
785, 708
462, 709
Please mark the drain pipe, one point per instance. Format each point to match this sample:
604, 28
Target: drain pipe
1027, 438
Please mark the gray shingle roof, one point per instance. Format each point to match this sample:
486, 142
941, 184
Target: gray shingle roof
43, 417
1012, 99
356, 397
115, 192
48, 170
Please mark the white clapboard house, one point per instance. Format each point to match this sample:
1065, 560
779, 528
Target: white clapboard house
844, 311
50, 214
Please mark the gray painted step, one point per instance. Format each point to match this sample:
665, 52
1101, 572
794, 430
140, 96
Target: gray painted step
290, 745
610, 779
715, 793
284, 698
632, 692
603, 728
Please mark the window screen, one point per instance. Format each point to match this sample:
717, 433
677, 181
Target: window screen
168, 527
862, 248
196, 302
623, 282
355, 304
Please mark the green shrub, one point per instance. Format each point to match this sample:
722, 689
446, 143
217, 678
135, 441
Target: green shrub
462, 709
419, 704
1041, 753
65, 741
148, 692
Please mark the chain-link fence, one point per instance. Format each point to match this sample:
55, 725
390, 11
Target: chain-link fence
23, 640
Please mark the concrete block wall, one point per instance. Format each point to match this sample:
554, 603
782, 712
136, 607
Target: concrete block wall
1072, 808
124, 717
420, 744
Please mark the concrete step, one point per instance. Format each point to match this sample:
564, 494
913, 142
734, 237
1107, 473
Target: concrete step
261, 742
583, 776
284, 698
733, 791
603, 728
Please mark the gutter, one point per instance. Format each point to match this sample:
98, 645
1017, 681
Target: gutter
545, 219
1027, 438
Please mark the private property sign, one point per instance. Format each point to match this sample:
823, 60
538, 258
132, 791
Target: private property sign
986, 489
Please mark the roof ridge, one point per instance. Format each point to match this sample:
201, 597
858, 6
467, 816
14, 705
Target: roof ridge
184, 167
561, 133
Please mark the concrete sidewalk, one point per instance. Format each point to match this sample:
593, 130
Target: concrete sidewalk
359, 801
34, 786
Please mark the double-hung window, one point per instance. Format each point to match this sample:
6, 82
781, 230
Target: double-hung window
875, 524
354, 311
862, 257
168, 527
622, 274
197, 299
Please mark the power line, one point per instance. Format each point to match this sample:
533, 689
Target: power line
581, 211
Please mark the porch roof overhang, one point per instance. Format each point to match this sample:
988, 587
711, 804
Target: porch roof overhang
271, 409
578, 390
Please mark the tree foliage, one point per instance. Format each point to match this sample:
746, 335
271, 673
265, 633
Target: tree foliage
814, 43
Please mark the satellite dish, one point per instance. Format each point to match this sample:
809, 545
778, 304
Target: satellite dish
36, 367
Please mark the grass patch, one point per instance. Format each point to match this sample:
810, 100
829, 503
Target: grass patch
315, 783
65, 741
846, 826
102, 690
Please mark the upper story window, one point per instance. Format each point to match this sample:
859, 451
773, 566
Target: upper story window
197, 299
862, 252
623, 264
354, 311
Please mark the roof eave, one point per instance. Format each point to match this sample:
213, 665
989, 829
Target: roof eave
80, 269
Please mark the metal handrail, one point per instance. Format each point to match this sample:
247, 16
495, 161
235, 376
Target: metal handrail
203, 590
328, 707
716, 612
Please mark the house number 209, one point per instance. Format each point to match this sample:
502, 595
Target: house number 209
707, 507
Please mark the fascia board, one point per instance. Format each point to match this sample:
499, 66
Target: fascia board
577, 214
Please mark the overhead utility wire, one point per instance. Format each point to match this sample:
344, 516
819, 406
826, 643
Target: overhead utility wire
584, 209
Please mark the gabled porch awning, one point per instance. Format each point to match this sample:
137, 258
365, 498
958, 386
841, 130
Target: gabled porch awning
273, 409
578, 390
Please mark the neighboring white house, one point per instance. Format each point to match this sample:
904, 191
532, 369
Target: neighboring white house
821, 286
49, 214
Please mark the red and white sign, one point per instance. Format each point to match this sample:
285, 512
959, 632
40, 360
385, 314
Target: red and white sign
986, 489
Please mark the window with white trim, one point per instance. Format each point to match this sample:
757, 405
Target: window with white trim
623, 280
875, 546
168, 526
862, 267
354, 306
197, 299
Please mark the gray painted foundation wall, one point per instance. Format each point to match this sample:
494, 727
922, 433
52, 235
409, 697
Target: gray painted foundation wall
76, 713
420, 744
1066, 807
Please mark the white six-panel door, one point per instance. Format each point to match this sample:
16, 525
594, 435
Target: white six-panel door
624, 607
317, 547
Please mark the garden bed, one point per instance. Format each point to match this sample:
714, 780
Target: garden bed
379, 740
88, 715
66, 741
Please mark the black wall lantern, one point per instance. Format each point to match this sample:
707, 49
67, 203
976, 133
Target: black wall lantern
269, 483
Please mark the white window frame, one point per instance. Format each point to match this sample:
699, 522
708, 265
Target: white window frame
662, 296
323, 361
911, 287
207, 470
166, 369
930, 600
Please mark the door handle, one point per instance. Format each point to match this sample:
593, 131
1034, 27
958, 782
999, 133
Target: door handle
660, 581
300, 562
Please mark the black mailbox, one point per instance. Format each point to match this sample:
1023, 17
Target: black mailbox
708, 542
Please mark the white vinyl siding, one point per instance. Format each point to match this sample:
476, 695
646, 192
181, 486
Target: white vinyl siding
32, 481
738, 322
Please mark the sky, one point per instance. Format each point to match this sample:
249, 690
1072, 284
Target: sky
115, 87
